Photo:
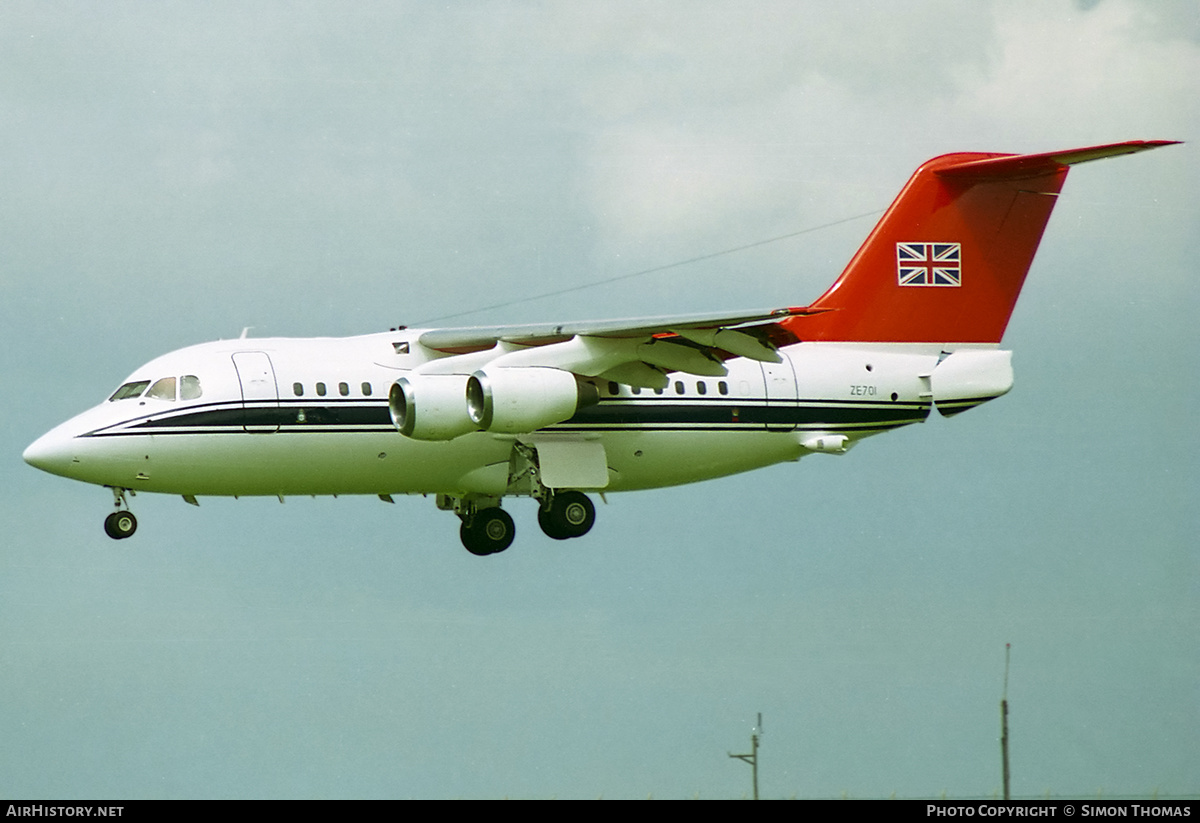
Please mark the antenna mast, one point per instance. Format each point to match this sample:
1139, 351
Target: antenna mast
752, 758
1004, 722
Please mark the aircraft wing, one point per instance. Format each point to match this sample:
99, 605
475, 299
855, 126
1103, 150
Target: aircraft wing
636, 351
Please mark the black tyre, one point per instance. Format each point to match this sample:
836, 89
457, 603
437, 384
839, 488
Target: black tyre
120, 525
490, 531
550, 524
572, 513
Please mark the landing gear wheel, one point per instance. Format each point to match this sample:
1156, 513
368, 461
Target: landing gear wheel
490, 531
120, 525
550, 525
570, 514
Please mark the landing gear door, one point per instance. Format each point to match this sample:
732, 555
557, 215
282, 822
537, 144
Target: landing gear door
260, 395
782, 399
569, 462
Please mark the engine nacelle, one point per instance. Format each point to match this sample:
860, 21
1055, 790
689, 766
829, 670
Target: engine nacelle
521, 400
430, 406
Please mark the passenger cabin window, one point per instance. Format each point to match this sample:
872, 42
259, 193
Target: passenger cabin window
679, 387
701, 387
134, 389
366, 389
344, 389
163, 389
298, 389
723, 387
189, 387
320, 390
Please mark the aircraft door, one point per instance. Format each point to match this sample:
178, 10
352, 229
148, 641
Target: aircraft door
782, 397
260, 395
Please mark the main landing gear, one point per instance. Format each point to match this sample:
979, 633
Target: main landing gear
566, 514
488, 529
121, 523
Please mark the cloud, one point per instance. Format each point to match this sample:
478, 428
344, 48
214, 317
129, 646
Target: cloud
1099, 72
717, 134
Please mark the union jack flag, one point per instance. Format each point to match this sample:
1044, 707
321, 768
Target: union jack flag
929, 264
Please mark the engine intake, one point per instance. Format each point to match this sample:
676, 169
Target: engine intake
430, 406
521, 400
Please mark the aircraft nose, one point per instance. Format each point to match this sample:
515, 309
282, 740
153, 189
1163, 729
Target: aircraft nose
52, 452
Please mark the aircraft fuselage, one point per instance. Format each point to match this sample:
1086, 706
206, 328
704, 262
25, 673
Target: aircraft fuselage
280, 416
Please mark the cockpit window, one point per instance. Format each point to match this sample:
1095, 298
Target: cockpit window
133, 389
163, 389
189, 387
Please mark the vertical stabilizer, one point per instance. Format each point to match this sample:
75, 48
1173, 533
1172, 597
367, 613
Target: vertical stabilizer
947, 260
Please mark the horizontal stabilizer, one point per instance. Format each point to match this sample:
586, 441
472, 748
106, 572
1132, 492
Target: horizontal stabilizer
1012, 166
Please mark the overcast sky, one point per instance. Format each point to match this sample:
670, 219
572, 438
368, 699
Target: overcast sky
173, 172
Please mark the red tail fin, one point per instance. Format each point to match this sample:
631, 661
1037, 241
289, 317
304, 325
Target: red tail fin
947, 260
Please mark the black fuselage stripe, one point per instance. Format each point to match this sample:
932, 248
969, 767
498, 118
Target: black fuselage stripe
607, 415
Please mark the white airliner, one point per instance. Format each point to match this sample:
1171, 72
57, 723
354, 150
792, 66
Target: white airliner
474, 415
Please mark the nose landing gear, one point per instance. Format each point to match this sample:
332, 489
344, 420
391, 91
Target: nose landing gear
121, 523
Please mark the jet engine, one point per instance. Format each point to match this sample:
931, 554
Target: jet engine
519, 400
430, 406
